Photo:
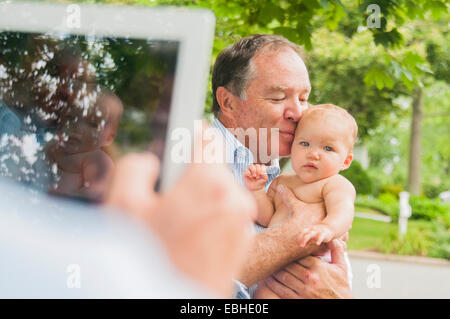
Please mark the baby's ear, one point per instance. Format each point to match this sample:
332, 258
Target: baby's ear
347, 162
109, 139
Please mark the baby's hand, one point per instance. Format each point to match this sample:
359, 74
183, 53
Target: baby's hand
255, 177
316, 234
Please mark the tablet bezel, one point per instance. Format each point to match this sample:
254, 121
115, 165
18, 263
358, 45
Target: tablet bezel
192, 28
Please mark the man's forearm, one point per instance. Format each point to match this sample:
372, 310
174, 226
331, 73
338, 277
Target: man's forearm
277, 246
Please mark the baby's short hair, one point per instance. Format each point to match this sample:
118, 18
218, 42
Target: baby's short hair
346, 116
113, 109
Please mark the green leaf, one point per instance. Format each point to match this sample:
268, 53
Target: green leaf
412, 59
270, 12
324, 4
335, 17
437, 8
379, 82
388, 81
398, 71
379, 77
424, 68
392, 38
289, 33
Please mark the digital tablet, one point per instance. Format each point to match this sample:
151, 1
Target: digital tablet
82, 85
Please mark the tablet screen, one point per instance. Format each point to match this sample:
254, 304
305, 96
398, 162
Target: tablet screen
71, 105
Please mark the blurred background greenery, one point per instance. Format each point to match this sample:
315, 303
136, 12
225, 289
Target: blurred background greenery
394, 79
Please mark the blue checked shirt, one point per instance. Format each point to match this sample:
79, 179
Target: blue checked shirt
239, 158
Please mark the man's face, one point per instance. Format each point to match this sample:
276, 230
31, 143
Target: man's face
275, 98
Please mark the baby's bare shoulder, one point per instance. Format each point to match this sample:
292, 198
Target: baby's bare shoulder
339, 182
97, 156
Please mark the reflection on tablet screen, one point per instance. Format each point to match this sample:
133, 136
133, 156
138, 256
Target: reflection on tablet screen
71, 105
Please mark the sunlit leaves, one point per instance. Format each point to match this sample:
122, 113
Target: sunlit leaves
378, 77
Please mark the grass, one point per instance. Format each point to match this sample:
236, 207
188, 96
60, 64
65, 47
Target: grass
367, 234
362, 209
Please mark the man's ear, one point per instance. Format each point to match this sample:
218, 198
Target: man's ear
226, 101
347, 162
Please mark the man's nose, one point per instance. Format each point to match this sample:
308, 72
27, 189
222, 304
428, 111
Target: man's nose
295, 109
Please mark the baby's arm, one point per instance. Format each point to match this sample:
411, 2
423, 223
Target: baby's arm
255, 177
339, 196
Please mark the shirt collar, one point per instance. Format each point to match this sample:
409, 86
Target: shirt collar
242, 154
239, 153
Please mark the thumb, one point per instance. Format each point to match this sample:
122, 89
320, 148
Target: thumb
337, 248
287, 197
133, 182
138, 171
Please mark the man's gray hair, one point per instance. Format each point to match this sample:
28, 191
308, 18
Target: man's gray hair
234, 68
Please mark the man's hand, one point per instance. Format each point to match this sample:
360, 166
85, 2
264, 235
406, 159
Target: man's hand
299, 209
204, 221
311, 277
277, 246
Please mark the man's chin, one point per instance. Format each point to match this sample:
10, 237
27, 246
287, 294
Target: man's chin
284, 151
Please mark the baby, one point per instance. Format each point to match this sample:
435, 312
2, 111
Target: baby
322, 147
83, 166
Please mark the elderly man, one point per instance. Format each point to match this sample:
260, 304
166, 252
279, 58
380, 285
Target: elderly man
261, 83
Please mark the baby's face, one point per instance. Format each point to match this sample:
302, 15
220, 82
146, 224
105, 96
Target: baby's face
321, 148
83, 133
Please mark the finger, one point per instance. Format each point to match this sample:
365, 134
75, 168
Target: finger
311, 237
259, 170
264, 169
308, 262
291, 281
133, 180
297, 270
279, 289
301, 237
305, 238
320, 238
337, 253
345, 237
252, 169
143, 168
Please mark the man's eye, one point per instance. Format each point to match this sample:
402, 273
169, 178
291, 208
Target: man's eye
328, 148
304, 143
277, 100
